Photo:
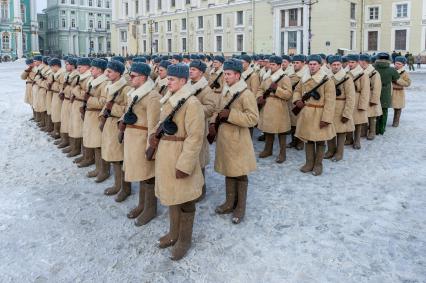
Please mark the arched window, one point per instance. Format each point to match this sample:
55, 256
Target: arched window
4, 9
24, 41
5, 41
99, 24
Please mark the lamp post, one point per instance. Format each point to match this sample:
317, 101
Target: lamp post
309, 3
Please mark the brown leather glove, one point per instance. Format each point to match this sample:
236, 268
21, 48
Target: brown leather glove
212, 129
109, 105
273, 86
344, 120
224, 114
299, 104
261, 100
86, 96
180, 174
323, 124
61, 96
373, 104
72, 98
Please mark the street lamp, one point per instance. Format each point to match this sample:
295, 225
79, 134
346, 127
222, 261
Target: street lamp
309, 3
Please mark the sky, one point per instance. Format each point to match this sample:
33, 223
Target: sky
41, 4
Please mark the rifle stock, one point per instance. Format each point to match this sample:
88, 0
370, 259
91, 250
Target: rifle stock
296, 110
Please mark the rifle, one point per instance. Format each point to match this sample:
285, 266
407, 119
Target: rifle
72, 95
215, 83
84, 107
312, 93
166, 127
338, 91
107, 111
129, 119
61, 94
218, 121
268, 92
357, 78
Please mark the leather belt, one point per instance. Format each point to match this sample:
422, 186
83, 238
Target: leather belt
93, 109
314, 105
78, 99
143, 128
340, 98
66, 98
172, 138
29, 83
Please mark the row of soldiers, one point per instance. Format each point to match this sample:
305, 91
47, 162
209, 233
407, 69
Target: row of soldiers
153, 119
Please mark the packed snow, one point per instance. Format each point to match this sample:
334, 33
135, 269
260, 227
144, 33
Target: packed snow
363, 220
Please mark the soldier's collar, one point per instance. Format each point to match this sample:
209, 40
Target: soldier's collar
340, 75
247, 72
357, 71
143, 90
237, 87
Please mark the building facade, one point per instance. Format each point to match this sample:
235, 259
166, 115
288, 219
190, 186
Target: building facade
209, 26
268, 26
78, 27
18, 28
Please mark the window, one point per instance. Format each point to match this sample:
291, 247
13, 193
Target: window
108, 25
99, 3
40, 25
183, 24
73, 23
401, 39
90, 14
90, 3
99, 45
292, 17
402, 10
23, 12
107, 4
144, 45
123, 36
200, 44
282, 18
63, 23
108, 45
169, 45
24, 41
159, 4
62, 1
169, 25
5, 41
240, 18
292, 40
147, 5
99, 24
4, 9
352, 37
187, 2
137, 6
155, 46
240, 42
126, 9
90, 23
63, 12
218, 20
372, 40
184, 44
144, 28
72, 12
92, 44
373, 13
72, 2
156, 27
200, 22
173, 3
353, 8
219, 43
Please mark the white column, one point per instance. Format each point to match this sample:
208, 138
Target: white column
105, 44
77, 45
286, 42
70, 44
96, 45
305, 29
19, 51
277, 29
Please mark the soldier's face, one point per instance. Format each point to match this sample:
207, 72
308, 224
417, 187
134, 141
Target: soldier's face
336, 66
217, 64
174, 83
399, 65
274, 67
231, 77
314, 67
285, 64
162, 72
195, 74
83, 68
352, 64
364, 64
246, 65
37, 63
112, 75
96, 72
137, 79
69, 67
55, 68
298, 65
174, 61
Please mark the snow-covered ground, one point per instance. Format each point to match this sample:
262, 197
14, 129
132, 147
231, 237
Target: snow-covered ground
363, 220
